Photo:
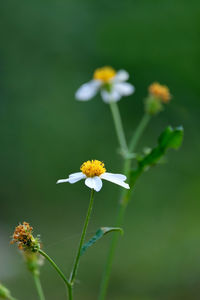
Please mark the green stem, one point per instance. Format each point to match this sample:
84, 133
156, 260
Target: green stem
134, 141
74, 270
70, 292
56, 268
122, 208
38, 285
109, 261
119, 127
139, 131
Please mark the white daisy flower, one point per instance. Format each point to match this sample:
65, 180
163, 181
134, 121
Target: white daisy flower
93, 171
110, 83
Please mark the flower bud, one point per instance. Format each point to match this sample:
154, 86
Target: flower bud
153, 105
158, 94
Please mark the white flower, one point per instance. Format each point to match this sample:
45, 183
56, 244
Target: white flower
110, 83
93, 171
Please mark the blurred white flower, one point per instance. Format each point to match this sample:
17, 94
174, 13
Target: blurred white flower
110, 83
93, 171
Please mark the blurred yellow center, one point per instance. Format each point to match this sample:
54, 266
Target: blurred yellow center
93, 168
104, 74
160, 91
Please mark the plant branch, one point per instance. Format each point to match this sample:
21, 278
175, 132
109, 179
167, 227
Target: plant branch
119, 127
56, 268
122, 206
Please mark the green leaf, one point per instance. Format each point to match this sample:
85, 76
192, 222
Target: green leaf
169, 138
99, 234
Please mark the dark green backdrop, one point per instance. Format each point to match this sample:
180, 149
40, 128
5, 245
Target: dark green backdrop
49, 48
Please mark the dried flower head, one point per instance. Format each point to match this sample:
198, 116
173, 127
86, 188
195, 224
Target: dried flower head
160, 91
24, 238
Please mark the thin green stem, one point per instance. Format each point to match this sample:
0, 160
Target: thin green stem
109, 261
135, 139
38, 285
75, 267
70, 292
55, 267
119, 127
122, 208
139, 131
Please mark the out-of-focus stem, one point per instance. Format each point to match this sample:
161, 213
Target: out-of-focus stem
134, 141
119, 127
139, 131
38, 285
122, 205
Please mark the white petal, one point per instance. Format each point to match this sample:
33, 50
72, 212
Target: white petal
75, 174
121, 75
94, 183
73, 178
119, 176
124, 88
88, 90
112, 96
115, 180
62, 180
98, 183
76, 178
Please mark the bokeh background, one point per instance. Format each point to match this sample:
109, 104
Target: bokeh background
48, 49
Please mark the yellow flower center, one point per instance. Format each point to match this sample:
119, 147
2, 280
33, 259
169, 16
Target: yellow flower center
160, 91
104, 74
93, 168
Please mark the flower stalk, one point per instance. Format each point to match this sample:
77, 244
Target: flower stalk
61, 274
38, 285
119, 128
77, 259
123, 201
93, 171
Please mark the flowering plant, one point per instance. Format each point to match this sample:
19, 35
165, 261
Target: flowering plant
112, 86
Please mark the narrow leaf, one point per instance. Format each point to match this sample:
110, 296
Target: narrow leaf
99, 234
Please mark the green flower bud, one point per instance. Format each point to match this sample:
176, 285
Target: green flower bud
153, 105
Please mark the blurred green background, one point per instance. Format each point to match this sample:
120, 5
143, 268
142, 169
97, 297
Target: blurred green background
48, 49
